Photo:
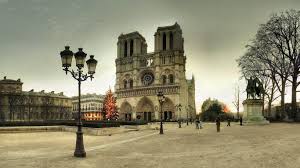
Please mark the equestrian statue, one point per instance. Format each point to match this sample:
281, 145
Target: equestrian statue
254, 88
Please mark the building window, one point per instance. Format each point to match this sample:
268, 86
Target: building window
163, 60
125, 49
171, 40
131, 83
171, 79
164, 41
164, 79
125, 84
131, 47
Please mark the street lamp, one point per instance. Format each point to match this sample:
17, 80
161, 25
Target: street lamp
187, 116
161, 100
178, 106
66, 58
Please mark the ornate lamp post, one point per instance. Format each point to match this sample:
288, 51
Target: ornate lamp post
178, 106
187, 116
66, 58
161, 100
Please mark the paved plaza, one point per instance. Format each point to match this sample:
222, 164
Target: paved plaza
274, 145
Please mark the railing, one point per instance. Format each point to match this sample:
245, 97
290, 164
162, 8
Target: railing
144, 91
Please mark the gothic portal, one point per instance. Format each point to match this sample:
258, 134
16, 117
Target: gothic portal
140, 75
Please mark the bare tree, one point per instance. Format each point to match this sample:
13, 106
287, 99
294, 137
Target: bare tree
282, 32
236, 101
268, 66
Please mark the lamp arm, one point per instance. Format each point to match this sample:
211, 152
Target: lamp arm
72, 72
75, 75
86, 76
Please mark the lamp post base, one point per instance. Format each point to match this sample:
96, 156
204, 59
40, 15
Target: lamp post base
161, 131
79, 150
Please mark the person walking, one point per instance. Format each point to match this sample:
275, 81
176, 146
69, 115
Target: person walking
179, 123
241, 121
228, 122
197, 123
218, 123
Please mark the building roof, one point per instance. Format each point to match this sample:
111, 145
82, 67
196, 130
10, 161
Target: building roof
134, 34
10, 81
172, 27
94, 95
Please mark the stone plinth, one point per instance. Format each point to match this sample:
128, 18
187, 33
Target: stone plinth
253, 112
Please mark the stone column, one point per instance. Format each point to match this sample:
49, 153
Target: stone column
128, 48
155, 42
128, 84
137, 47
161, 41
122, 48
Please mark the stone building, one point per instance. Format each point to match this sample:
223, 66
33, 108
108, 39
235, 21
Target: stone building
91, 106
276, 112
19, 105
140, 75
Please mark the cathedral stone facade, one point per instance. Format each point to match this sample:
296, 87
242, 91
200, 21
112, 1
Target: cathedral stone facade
140, 75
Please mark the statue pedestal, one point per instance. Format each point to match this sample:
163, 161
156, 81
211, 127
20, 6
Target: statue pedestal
253, 112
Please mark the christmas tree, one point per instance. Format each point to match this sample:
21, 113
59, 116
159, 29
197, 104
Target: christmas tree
110, 107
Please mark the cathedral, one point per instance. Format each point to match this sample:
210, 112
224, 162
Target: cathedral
140, 75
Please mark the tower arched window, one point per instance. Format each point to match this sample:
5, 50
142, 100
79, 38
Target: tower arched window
131, 47
125, 49
164, 41
171, 40
131, 83
125, 84
164, 79
171, 79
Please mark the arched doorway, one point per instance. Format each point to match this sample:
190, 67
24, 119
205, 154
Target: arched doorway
168, 109
126, 111
145, 109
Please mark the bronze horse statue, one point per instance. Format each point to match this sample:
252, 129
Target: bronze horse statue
254, 88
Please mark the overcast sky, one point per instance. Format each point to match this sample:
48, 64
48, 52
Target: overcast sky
33, 32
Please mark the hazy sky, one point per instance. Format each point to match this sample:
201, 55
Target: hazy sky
33, 32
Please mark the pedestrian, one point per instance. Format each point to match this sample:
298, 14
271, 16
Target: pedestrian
241, 121
197, 123
228, 122
200, 124
179, 123
218, 123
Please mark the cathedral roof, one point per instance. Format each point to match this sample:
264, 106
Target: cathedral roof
134, 34
172, 27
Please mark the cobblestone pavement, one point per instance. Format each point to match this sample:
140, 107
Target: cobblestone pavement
274, 145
